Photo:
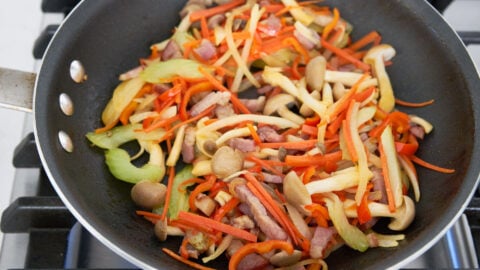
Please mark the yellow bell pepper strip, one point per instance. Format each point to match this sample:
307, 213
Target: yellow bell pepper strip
261, 247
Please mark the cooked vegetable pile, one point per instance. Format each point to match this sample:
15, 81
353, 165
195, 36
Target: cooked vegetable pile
272, 137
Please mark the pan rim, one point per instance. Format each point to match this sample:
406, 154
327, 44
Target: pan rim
143, 264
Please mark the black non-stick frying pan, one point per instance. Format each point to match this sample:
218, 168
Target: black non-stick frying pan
109, 36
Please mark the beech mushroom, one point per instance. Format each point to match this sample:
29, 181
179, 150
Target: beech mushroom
279, 104
226, 161
160, 230
376, 57
148, 194
401, 218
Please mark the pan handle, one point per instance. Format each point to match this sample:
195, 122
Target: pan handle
16, 89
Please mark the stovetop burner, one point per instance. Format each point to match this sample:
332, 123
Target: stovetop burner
50, 237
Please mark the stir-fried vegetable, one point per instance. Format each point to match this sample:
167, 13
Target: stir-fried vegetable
284, 129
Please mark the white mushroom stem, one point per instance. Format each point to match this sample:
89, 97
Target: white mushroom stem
287, 114
340, 180
401, 218
344, 77
376, 57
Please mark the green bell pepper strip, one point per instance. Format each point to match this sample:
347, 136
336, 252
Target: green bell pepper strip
118, 162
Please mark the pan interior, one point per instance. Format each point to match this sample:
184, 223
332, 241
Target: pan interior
109, 37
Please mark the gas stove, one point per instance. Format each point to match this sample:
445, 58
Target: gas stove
40, 233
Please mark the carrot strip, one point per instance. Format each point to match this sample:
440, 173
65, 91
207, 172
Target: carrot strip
364, 41
341, 53
185, 261
161, 123
329, 27
197, 15
264, 164
204, 27
298, 47
229, 206
317, 160
216, 225
171, 176
413, 104
254, 134
430, 166
296, 145
148, 214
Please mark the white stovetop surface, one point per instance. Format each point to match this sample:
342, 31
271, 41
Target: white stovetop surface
20, 24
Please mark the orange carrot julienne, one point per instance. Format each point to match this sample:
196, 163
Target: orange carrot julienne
204, 27
218, 226
185, 261
316, 160
413, 104
329, 27
341, 53
171, 176
298, 47
430, 166
299, 145
364, 41
254, 134
197, 15
148, 214
264, 164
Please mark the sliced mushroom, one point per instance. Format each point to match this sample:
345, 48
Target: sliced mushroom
205, 204
401, 218
338, 90
279, 104
226, 161
148, 194
376, 57
315, 72
295, 192
160, 230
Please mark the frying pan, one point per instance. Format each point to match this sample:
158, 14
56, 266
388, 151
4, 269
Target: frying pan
109, 36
